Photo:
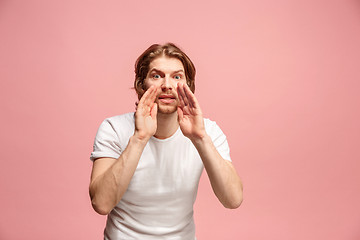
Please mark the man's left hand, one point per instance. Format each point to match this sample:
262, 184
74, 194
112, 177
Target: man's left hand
189, 113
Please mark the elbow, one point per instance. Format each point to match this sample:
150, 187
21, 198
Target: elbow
233, 204
236, 199
100, 208
99, 205
101, 211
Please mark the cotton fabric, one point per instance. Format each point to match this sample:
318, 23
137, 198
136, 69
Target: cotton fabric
158, 203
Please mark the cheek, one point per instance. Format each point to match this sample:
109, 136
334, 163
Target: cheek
183, 81
149, 83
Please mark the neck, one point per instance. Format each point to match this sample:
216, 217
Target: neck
167, 125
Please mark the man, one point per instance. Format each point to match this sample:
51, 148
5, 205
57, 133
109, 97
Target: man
147, 165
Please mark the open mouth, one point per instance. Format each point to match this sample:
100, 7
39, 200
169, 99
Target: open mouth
166, 98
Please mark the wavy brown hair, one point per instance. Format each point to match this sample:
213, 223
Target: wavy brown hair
157, 50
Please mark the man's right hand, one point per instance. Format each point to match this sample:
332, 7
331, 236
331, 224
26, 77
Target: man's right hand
110, 177
145, 116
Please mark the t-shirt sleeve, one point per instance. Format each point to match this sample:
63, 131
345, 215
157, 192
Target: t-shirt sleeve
106, 142
219, 139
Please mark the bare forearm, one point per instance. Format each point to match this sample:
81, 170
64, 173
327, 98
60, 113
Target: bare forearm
224, 180
107, 189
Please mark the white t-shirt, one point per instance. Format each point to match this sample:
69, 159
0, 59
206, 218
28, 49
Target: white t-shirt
158, 203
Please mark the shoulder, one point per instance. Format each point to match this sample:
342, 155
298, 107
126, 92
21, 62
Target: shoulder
210, 125
213, 129
218, 138
121, 125
113, 136
122, 120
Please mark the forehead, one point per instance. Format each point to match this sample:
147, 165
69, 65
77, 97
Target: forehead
166, 64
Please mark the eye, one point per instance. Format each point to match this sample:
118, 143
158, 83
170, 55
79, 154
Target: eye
177, 77
156, 76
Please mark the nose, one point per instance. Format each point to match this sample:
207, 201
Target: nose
167, 84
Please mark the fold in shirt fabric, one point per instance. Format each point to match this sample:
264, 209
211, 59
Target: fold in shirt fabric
158, 203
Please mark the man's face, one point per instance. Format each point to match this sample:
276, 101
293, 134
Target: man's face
165, 73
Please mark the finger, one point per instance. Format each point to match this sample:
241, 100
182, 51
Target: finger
183, 94
180, 96
145, 95
187, 97
191, 97
152, 106
154, 94
180, 114
150, 98
154, 111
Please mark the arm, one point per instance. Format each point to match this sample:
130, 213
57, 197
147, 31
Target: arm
110, 177
224, 180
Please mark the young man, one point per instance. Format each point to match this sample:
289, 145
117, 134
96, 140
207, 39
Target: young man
147, 165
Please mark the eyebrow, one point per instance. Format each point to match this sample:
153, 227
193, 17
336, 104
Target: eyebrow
157, 70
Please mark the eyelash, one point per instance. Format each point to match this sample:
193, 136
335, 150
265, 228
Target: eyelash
175, 77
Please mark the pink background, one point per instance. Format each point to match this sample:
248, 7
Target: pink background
281, 78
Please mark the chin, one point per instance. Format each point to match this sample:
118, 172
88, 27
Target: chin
167, 109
